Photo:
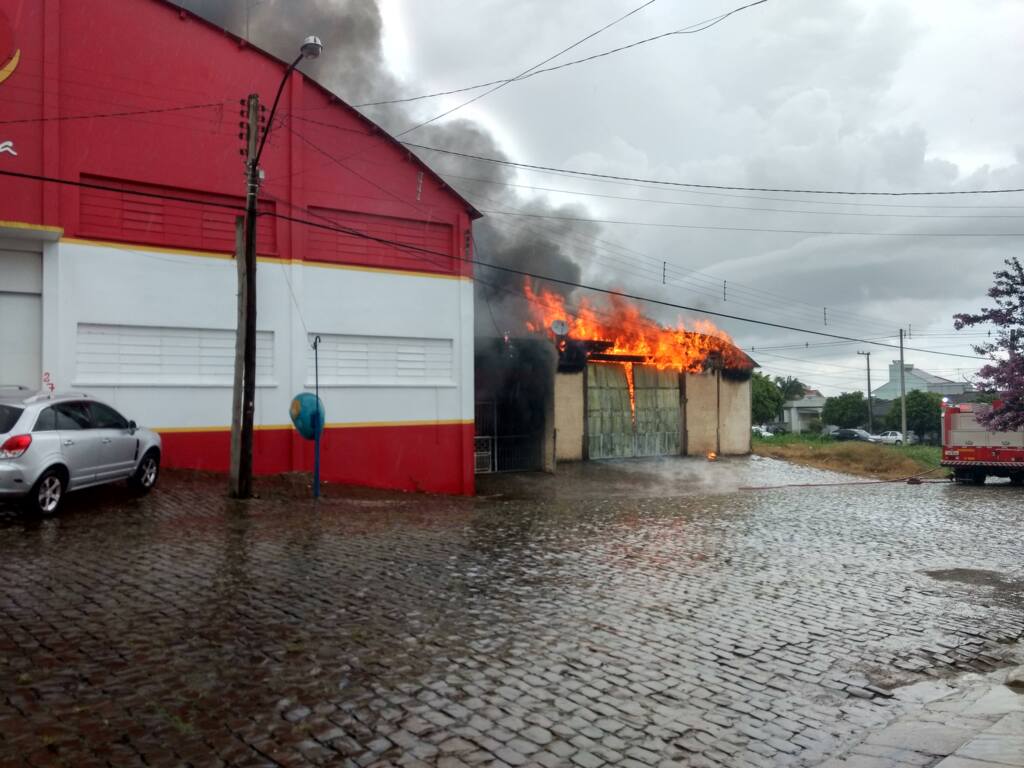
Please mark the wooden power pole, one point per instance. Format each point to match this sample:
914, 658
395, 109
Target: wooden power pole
244, 396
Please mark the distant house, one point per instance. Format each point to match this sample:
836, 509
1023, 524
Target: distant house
918, 380
798, 414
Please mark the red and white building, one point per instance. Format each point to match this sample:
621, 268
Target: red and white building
133, 298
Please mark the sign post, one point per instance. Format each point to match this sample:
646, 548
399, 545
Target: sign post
317, 426
308, 416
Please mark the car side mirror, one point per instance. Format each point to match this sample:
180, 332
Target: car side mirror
132, 426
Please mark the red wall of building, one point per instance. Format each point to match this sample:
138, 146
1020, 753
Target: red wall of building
89, 57
79, 59
357, 455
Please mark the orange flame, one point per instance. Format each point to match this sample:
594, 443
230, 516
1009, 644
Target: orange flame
623, 324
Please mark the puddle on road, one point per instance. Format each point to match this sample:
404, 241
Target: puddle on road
975, 576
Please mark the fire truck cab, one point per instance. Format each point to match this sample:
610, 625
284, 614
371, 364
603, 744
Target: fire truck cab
975, 453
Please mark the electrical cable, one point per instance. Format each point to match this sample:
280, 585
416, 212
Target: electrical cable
689, 30
607, 291
668, 225
653, 184
96, 115
108, 188
660, 269
524, 72
659, 182
509, 270
763, 209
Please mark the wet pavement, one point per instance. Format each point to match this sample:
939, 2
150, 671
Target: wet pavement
631, 613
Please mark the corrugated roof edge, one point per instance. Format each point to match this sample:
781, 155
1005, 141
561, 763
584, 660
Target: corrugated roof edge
473, 212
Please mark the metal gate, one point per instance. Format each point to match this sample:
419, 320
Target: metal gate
614, 430
658, 424
505, 442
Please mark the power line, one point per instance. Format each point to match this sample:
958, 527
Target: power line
109, 188
671, 225
765, 209
692, 189
659, 182
607, 291
96, 115
699, 26
487, 265
499, 86
707, 285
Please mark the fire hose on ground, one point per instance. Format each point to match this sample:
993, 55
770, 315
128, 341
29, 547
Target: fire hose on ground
909, 480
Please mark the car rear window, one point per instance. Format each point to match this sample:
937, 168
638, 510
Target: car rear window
8, 417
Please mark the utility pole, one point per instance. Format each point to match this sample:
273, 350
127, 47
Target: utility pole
903, 392
871, 424
236, 391
240, 483
244, 405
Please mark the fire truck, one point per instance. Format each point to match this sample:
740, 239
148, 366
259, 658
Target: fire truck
975, 453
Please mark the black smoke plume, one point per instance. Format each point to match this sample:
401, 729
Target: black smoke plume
352, 66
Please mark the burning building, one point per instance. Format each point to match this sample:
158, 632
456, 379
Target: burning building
596, 382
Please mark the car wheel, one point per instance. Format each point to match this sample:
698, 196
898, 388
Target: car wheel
47, 494
898, 442
147, 473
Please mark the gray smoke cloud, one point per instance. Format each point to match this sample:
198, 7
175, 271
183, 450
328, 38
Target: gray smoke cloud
551, 248
352, 66
352, 63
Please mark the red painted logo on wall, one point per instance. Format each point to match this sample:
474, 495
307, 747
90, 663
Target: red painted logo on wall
9, 58
9, 54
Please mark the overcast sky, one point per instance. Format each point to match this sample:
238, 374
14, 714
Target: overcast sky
904, 95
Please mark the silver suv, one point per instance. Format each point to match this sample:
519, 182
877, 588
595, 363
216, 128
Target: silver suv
54, 443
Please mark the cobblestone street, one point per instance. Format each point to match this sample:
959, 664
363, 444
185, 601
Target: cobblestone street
626, 614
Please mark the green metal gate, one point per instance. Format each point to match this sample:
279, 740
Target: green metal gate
658, 424
612, 430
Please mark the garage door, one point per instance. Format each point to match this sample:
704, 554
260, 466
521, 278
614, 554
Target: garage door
612, 430
657, 411
21, 317
609, 417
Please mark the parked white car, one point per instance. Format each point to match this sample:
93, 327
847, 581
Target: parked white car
891, 437
51, 444
761, 432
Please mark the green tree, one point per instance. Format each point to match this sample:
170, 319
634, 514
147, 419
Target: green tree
923, 412
766, 399
847, 410
791, 387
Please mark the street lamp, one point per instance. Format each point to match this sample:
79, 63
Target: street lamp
311, 48
244, 395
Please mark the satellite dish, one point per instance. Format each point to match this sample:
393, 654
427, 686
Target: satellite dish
560, 328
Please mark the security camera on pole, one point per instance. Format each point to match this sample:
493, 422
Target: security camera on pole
244, 396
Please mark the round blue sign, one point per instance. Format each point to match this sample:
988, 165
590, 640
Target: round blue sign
306, 411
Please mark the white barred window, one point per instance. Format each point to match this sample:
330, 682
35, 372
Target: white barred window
348, 360
125, 355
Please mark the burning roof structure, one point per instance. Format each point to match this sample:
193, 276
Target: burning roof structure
621, 333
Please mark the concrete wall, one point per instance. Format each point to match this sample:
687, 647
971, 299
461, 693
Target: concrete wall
569, 416
701, 413
734, 418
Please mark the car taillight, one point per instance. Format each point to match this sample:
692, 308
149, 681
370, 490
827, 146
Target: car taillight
15, 446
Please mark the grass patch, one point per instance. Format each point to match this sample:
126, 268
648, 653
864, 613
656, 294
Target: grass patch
887, 462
